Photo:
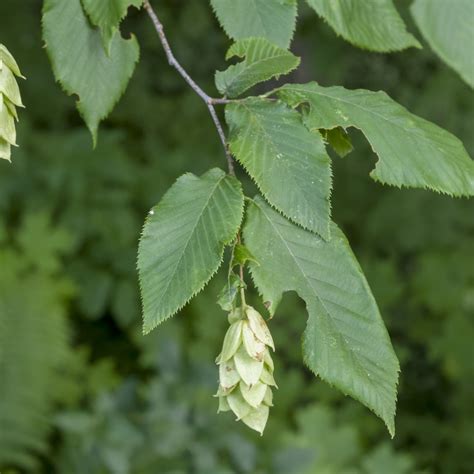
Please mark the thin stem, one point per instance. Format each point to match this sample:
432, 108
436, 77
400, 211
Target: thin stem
208, 100
242, 289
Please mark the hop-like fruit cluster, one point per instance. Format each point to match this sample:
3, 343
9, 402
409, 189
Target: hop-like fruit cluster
10, 99
246, 368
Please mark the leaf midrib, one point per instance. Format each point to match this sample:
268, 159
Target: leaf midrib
198, 219
368, 111
259, 62
353, 354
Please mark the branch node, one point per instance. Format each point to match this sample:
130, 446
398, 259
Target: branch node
209, 101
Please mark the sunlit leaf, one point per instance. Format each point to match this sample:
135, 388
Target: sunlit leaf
345, 341
271, 19
370, 24
289, 163
412, 151
183, 241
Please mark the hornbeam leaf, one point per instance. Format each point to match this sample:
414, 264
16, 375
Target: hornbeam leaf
183, 241
274, 20
412, 151
345, 341
289, 163
107, 15
448, 26
263, 60
371, 24
80, 63
339, 140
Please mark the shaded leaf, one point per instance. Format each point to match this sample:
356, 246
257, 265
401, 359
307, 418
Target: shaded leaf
449, 29
339, 140
345, 341
242, 255
80, 63
107, 15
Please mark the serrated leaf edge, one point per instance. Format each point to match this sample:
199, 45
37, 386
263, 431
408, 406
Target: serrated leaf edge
326, 237
146, 330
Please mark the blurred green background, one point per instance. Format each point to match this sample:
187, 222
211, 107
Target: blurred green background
82, 391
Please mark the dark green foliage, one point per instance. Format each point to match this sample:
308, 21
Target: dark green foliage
129, 404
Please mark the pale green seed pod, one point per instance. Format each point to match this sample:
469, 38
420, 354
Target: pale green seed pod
10, 99
246, 369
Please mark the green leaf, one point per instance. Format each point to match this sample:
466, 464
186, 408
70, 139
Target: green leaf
263, 60
448, 26
339, 140
80, 63
107, 15
242, 255
274, 20
412, 151
345, 341
183, 241
371, 24
289, 163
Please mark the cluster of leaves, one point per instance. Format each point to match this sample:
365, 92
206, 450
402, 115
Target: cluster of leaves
277, 139
154, 410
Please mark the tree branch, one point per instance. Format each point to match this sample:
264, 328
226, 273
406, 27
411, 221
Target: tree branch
210, 102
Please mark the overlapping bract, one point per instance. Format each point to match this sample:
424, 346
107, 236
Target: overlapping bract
10, 99
246, 368
370, 24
